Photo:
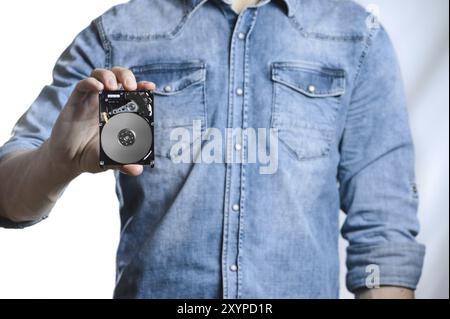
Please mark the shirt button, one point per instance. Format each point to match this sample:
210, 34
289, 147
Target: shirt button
236, 207
238, 147
167, 89
233, 268
241, 36
311, 89
240, 92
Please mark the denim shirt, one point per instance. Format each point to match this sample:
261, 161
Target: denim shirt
322, 77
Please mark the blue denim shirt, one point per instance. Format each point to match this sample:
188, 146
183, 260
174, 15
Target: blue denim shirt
324, 76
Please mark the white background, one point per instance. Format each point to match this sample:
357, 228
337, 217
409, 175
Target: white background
72, 254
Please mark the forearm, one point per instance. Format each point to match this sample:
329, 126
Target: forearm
385, 293
32, 181
31, 184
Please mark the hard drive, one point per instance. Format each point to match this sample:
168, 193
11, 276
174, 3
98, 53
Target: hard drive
126, 122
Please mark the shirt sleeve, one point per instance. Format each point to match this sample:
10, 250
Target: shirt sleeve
376, 176
87, 52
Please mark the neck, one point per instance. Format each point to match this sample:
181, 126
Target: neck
240, 5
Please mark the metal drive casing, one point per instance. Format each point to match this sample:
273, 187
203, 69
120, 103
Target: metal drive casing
126, 128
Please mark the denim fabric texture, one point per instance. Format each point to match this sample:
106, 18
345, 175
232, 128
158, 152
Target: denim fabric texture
322, 73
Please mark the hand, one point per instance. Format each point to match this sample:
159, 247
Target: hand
74, 142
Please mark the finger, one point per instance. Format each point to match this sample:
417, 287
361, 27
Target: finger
144, 85
107, 77
125, 77
132, 170
88, 85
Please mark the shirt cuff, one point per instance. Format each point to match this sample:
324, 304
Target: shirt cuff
391, 264
11, 147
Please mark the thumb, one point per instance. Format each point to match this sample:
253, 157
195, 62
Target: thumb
132, 170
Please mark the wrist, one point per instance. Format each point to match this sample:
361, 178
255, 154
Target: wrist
64, 170
385, 293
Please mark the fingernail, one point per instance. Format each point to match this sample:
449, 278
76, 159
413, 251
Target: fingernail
112, 83
129, 82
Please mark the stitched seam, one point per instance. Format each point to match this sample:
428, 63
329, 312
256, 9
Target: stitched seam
188, 13
105, 43
225, 231
331, 93
364, 54
315, 68
361, 62
244, 151
169, 67
175, 92
324, 36
274, 120
205, 101
228, 169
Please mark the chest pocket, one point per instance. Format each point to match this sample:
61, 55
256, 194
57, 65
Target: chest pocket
179, 99
306, 102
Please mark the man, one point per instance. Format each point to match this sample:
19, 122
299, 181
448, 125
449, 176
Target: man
319, 75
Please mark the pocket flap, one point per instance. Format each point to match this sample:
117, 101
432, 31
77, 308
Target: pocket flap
310, 80
171, 78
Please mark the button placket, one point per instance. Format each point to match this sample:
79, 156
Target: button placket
235, 170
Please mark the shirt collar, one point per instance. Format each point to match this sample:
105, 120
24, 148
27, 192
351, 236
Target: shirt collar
290, 4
